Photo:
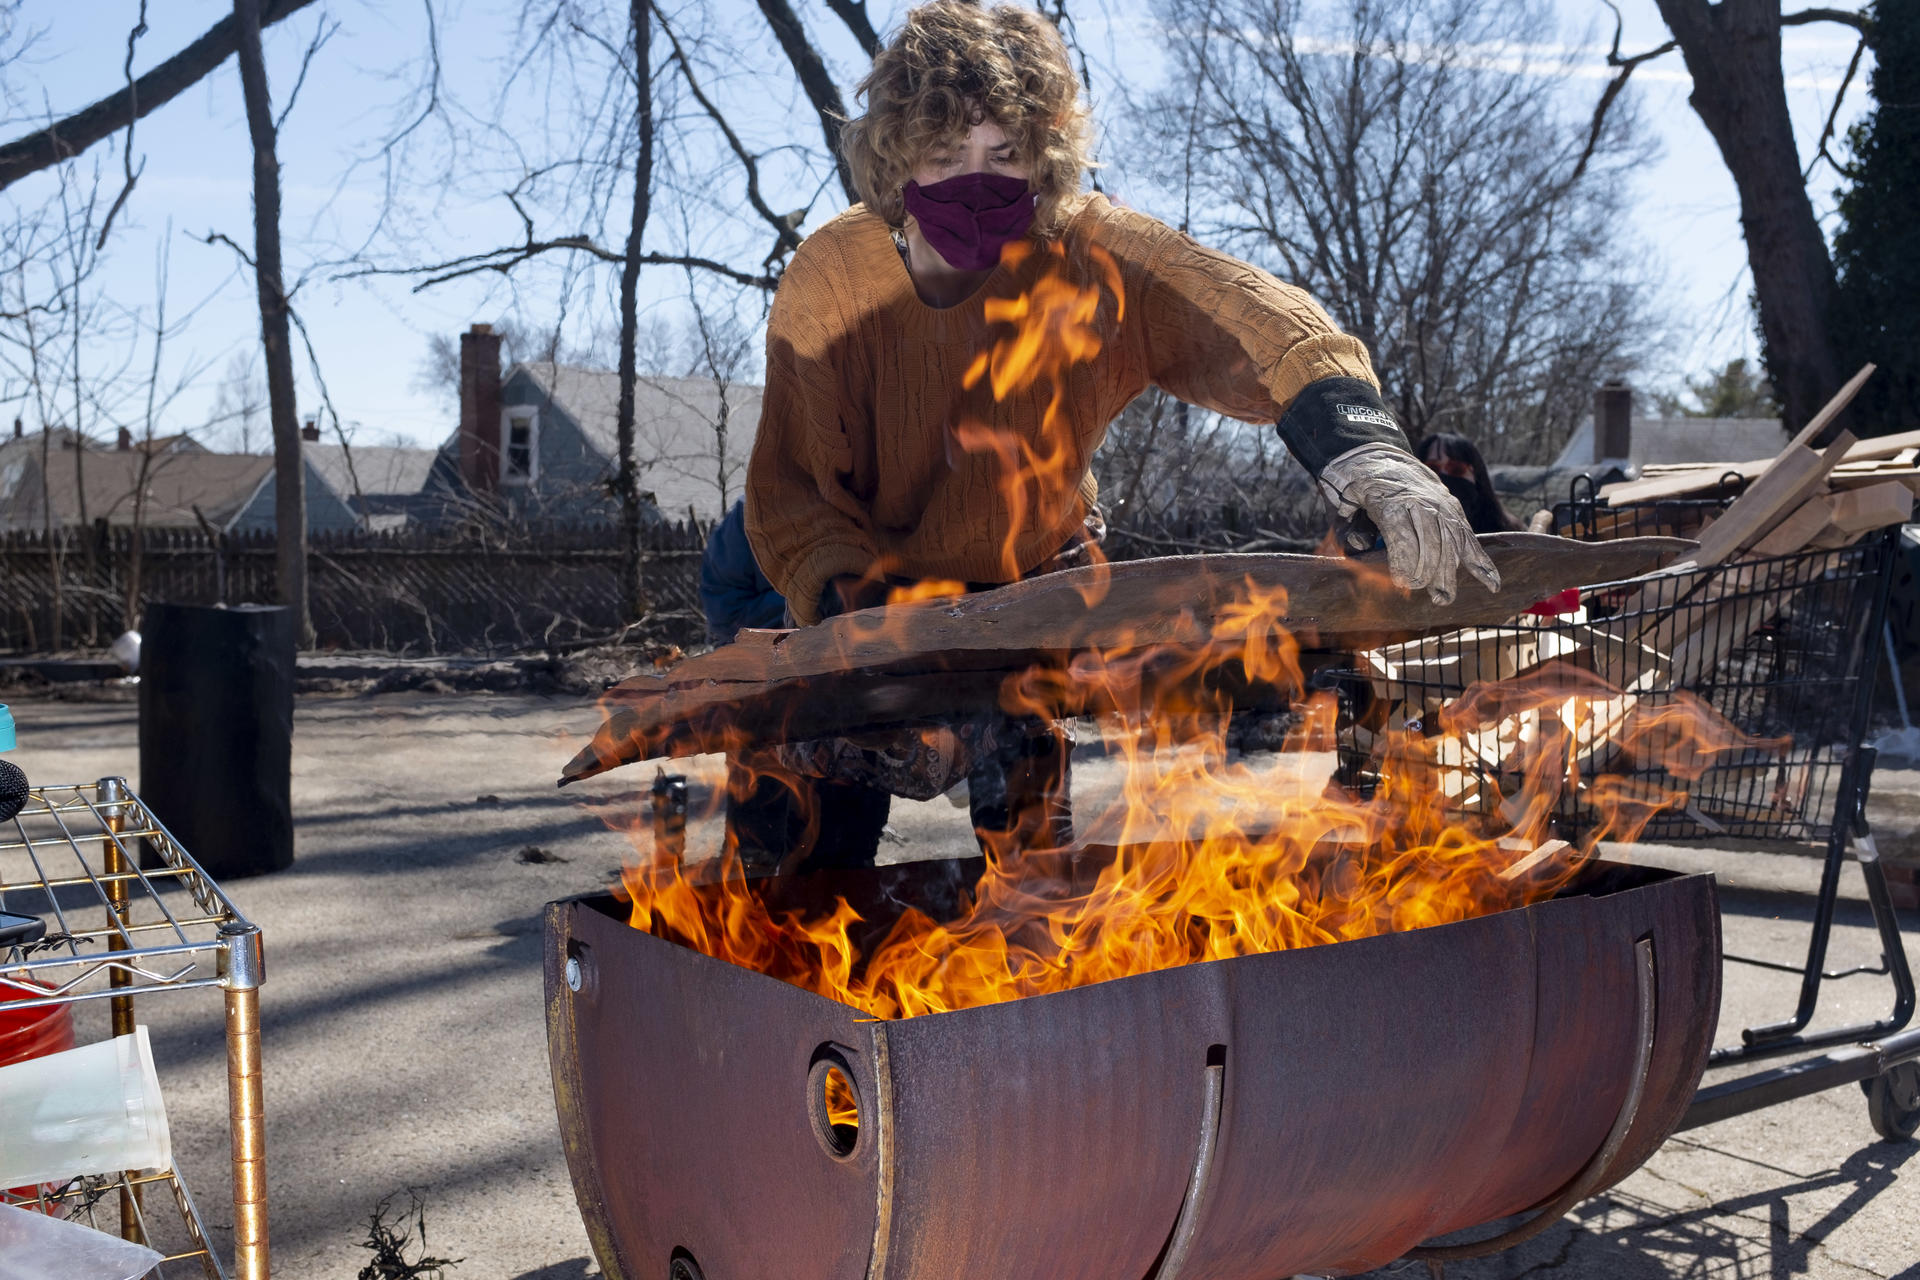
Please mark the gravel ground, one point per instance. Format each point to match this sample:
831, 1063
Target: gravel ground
405, 1046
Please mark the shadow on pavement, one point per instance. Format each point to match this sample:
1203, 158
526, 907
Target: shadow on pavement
574, 1269
1622, 1236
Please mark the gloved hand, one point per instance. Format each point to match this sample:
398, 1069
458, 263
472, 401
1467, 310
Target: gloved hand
1427, 534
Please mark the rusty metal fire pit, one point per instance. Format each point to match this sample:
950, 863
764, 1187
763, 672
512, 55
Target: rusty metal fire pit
1321, 1110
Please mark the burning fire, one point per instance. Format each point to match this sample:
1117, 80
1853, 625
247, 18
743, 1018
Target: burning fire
1214, 855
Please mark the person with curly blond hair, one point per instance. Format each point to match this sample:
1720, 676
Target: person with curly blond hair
891, 451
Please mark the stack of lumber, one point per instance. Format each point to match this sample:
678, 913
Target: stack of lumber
1868, 462
1679, 627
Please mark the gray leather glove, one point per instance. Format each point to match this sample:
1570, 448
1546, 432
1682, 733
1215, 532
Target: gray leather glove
1427, 534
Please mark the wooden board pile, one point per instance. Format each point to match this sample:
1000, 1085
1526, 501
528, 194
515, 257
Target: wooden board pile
1671, 633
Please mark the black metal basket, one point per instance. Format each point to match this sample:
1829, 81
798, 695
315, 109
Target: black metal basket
1785, 651
1584, 516
1782, 649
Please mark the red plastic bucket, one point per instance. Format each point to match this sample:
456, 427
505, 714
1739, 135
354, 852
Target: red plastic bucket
32, 1033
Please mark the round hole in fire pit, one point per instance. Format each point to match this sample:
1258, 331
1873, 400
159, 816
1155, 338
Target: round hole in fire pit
833, 1101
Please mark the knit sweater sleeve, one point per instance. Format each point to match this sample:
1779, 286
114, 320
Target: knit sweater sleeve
804, 522
1227, 336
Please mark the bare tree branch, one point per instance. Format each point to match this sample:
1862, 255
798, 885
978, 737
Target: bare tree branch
785, 226
815, 79
854, 14
503, 260
322, 33
133, 176
1070, 34
72, 135
1833, 117
1614, 86
1845, 17
1429, 201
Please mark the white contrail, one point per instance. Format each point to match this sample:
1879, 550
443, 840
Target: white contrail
1556, 61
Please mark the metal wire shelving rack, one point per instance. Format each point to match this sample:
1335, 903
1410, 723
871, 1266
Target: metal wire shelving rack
121, 926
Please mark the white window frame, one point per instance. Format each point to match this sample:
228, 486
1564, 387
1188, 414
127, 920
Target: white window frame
509, 417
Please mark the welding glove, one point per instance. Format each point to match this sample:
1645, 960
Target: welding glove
1427, 534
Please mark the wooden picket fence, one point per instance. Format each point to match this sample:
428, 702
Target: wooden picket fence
415, 591
425, 590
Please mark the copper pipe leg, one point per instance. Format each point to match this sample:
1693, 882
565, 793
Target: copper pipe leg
109, 793
247, 1121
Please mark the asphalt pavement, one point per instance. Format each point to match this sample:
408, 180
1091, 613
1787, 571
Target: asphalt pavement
405, 1043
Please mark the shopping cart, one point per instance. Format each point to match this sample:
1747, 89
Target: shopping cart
1784, 650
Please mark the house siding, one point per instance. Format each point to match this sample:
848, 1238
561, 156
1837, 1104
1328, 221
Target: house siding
569, 471
570, 478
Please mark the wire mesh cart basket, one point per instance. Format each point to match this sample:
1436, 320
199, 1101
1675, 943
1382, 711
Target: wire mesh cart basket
1605, 695
112, 929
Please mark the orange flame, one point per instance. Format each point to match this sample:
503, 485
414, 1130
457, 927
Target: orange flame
1045, 332
843, 1109
1215, 854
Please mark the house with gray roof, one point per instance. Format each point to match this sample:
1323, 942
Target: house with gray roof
543, 438
381, 484
1614, 437
172, 488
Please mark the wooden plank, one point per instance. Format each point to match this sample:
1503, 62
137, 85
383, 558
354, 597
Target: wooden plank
1680, 484
1875, 507
1461, 658
1884, 446
1545, 853
928, 658
1832, 409
1798, 529
1844, 480
1796, 475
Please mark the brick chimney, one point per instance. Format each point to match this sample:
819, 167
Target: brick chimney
1612, 420
125, 443
311, 432
480, 408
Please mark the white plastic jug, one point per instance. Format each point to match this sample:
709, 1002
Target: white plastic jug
95, 1109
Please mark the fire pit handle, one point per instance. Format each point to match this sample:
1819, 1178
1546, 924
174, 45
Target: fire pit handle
1588, 1179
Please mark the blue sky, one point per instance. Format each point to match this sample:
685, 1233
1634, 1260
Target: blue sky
371, 335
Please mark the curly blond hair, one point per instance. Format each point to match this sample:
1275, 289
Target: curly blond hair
953, 64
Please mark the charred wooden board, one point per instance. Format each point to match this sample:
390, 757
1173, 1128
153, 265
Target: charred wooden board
932, 657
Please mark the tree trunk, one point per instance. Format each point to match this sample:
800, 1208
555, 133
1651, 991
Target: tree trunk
1739, 91
626, 480
289, 477
54, 571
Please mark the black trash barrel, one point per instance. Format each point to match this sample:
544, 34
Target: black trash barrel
216, 732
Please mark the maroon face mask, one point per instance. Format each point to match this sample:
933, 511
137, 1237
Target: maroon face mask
969, 219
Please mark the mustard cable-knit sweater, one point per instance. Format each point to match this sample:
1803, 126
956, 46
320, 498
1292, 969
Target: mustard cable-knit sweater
876, 451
